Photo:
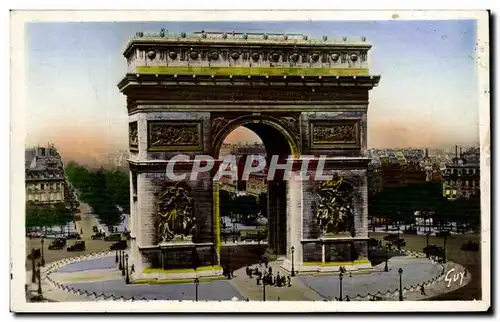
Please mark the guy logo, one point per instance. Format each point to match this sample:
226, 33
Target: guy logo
455, 277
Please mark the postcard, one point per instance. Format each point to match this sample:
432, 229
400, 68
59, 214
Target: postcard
282, 161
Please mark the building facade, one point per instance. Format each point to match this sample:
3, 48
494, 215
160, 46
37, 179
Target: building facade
44, 176
461, 177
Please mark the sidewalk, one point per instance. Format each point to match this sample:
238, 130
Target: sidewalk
249, 289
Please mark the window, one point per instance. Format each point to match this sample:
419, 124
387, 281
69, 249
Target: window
42, 186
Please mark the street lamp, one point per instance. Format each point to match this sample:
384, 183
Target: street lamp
400, 271
120, 260
293, 266
427, 239
127, 279
33, 268
341, 276
123, 264
264, 289
43, 259
116, 257
386, 268
196, 283
39, 273
444, 247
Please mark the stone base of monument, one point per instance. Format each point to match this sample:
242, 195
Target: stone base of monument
179, 261
361, 265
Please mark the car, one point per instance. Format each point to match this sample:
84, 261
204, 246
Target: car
98, 235
58, 243
391, 237
114, 237
433, 250
470, 247
120, 245
78, 246
73, 236
410, 231
372, 242
95, 229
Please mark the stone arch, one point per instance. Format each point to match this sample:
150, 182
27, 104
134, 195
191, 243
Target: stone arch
247, 121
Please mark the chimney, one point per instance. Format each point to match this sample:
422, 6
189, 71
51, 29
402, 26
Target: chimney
456, 151
460, 151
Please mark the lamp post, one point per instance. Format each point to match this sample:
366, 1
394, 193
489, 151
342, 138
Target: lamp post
196, 283
123, 264
444, 247
120, 261
264, 289
427, 239
386, 268
341, 276
43, 259
39, 273
33, 267
127, 279
400, 271
293, 264
116, 257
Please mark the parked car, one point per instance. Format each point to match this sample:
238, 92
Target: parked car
433, 250
121, 245
470, 247
78, 246
391, 237
114, 237
98, 235
73, 236
58, 243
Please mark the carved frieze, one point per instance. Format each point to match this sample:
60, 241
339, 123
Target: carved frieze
335, 134
175, 217
133, 136
334, 206
169, 136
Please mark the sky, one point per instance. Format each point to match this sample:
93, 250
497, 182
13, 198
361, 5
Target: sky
427, 96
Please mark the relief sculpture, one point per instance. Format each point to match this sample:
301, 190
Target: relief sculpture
175, 216
338, 133
218, 124
168, 135
334, 211
293, 123
133, 135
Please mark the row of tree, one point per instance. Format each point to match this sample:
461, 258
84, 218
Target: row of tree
247, 206
102, 190
400, 205
47, 215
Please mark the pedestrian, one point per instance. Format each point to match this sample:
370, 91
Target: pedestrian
465, 272
258, 280
81, 231
270, 270
422, 289
289, 281
278, 280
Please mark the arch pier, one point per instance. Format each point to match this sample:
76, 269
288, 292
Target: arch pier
305, 98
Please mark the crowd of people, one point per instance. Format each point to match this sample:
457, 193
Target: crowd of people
264, 274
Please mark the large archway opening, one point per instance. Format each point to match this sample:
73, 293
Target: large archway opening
253, 211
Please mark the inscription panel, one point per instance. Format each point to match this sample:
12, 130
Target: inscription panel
174, 136
337, 134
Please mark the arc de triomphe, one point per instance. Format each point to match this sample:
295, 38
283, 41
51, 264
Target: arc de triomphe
303, 97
